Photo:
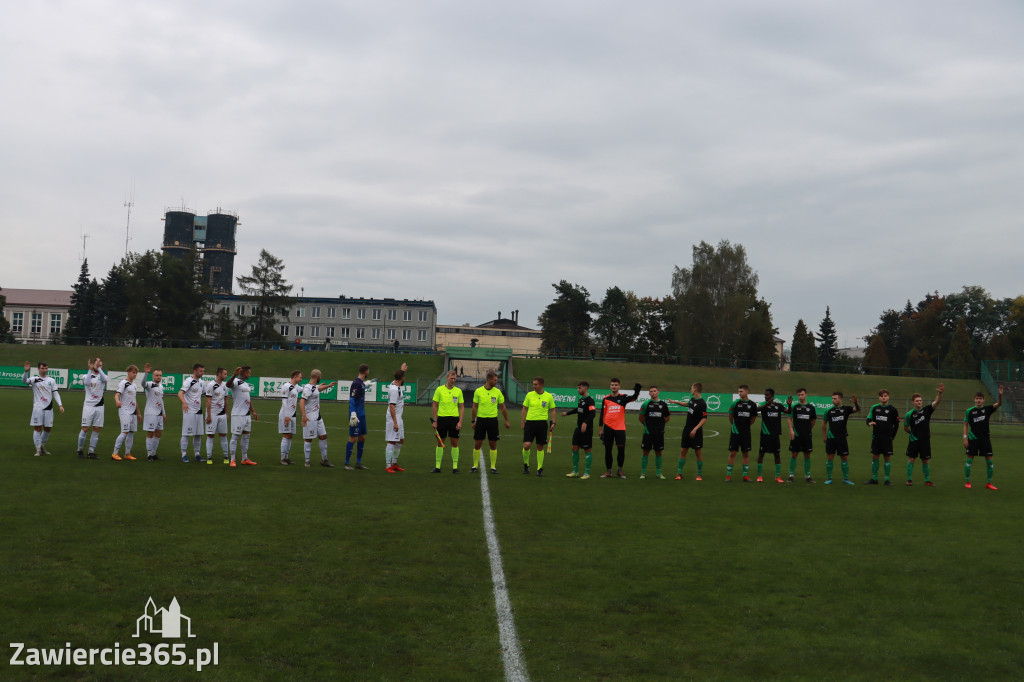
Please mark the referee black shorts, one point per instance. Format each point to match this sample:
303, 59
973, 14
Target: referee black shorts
536, 430
446, 427
486, 428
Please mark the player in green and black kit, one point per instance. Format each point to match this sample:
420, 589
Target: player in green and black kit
583, 436
654, 416
742, 415
693, 431
884, 421
917, 423
801, 427
771, 433
976, 436
833, 428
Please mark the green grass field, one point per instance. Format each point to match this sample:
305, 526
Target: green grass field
328, 574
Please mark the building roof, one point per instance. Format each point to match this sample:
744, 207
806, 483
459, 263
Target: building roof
505, 323
56, 298
341, 300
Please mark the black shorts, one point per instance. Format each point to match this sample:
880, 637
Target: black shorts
739, 441
980, 447
536, 430
880, 445
486, 428
653, 441
583, 439
694, 442
837, 446
919, 448
614, 436
770, 444
446, 427
801, 443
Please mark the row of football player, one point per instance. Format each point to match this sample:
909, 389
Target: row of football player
298, 405
882, 418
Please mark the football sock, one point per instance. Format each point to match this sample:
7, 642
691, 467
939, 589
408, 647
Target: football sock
967, 468
679, 466
807, 467
455, 458
307, 448
397, 452
792, 465
829, 464
643, 465
760, 467
910, 470
526, 457
728, 469
119, 442
149, 445
608, 455
874, 470
622, 455
184, 446
245, 446
989, 469
746, 469
224, 445
234, 446
700, 467
209, 446
93, 441
540, 458
387, 454
286, 446
657, 464
887, 466
438, 456
197, 445
476, 458
44, 436
37, 438
348, 451
575, 461
926, 469
359, 451
588, 460
323, 449
128, 442
494, 458
778, 469
845, 466
81, 439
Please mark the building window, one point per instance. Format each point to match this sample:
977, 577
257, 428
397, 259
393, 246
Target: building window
300, 330
314, 311
314, 331
407, 316
424, 315
360, 332
37, 323
240, 310
54, 323
225, 308
406, 335
392, 314
346, 313
376, 313
391, 334
300, 312
421, 335
331, 313
330, 332
375, 333
344, 332
361, 314
17, 323
284, 330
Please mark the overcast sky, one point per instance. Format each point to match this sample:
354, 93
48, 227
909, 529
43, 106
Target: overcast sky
473, 152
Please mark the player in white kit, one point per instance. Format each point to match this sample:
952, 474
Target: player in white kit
95, 384
242, 413
191, 397
286, 416
127, 412
154, 415
216, 414
312, 422
394, 428
44, 395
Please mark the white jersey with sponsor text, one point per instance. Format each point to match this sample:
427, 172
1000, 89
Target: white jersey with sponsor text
396, 397
192, 389
129, 403
154, 398
95, 385
241, 400
311, 394
218, 395
289, 399
44, 391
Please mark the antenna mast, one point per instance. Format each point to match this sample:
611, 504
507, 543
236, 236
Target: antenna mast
129, 203
83, 237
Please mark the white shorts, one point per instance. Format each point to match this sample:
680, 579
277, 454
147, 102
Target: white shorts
41, 417
392, 435
92, 416
129, 424
217, 424
241, 424
152, 422
192, 424
282, 428
314, 429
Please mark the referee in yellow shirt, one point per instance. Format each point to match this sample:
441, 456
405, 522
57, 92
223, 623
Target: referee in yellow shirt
447, 410
538, 407
486, 401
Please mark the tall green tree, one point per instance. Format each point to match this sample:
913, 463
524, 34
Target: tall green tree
803, 356
82, 314
617, 324
918, 363
959, 358
111, 306
828, 346
565, 324
876, 357
756, 347
714, 298
267, 289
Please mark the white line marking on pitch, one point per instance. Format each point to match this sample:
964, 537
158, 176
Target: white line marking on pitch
511, 652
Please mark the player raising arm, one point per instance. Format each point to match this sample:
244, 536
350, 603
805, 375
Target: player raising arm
917, 423
44, 395
312, 422
976, 436
242, 414
693, 430
95, 384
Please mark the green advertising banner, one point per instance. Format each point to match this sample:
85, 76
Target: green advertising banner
11, 376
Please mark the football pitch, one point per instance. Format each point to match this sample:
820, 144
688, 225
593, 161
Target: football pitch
321, 573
